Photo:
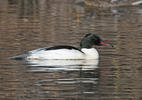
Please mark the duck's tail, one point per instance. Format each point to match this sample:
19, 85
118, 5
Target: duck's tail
19, 57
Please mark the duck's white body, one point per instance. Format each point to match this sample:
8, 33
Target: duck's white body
64, 53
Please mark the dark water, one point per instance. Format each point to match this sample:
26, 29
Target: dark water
30, 24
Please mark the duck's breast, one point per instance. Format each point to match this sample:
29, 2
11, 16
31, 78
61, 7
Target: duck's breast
90, 53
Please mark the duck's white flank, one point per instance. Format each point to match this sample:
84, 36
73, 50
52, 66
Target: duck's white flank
64, 54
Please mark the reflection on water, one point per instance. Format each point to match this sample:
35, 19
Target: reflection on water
45, 65
30, 24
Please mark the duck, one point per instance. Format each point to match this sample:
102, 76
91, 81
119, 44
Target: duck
65, 52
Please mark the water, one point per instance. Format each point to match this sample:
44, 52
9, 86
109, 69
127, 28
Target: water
30, 24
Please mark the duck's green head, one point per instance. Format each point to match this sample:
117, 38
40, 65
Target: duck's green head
91, 39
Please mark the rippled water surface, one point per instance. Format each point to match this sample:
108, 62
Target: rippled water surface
30, 24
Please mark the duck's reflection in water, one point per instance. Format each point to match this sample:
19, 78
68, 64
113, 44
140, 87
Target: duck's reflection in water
55, 65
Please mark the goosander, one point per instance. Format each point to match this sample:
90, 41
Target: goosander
67, 52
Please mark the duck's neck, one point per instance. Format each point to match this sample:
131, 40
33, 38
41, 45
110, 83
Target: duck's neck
87, 46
